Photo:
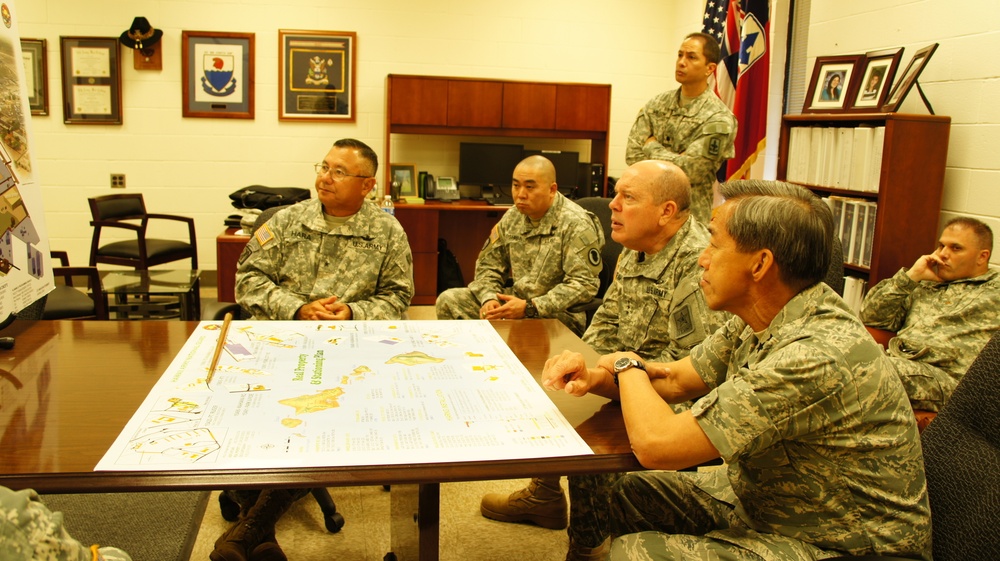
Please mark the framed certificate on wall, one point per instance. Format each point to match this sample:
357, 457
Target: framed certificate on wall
91, 80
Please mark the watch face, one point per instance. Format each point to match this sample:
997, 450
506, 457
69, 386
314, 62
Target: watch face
622, 364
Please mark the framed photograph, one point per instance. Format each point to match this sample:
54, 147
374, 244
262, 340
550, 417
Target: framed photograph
91, 80
36, 74
217, 74
316, 75
903, 85
830, 86
404, 180
876, 71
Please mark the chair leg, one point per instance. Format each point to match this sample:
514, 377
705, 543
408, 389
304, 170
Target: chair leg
333, 519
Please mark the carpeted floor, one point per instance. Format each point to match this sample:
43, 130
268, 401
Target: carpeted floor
465, 534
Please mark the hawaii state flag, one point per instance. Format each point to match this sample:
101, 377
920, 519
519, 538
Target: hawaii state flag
743, 30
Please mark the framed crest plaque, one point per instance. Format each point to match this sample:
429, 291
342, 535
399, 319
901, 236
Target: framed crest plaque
218, 74
316, 75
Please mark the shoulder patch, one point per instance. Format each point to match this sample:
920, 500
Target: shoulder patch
594, 257
264, 235
714, 146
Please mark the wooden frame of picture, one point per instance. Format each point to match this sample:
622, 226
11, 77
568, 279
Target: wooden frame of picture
406, 176
316, 75
908, 78
217, 74
875, 73
831, 84
36, 68
91, 80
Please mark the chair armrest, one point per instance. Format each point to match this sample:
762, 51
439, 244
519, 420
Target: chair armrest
187, 219
62, 256
881, 336
94, 282
117, 224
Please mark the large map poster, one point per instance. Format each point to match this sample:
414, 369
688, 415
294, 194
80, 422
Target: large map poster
304, 394
25, 271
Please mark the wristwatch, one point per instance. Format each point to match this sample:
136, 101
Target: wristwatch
530, 311
623, 364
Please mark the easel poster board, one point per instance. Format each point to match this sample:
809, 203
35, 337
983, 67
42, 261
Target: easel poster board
309, 394
25, 270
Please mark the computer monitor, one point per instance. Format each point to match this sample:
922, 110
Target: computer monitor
567, 166
488, 165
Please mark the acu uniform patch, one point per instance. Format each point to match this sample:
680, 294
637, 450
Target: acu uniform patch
683, 321
594, 257
714, 146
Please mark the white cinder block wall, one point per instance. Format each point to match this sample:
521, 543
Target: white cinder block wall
189, 166
961, 80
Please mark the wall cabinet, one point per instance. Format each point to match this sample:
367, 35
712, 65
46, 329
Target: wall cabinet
440, 105
914, 154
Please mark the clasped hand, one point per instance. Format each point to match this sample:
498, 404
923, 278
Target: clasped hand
328, 308
512, 308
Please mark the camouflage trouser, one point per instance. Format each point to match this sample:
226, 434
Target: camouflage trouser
29, 531
663, 516
460, 303
928, 387
590, 508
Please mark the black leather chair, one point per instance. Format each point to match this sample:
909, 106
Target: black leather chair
333, 520
69, 302
128, 212
962, 459
609, 253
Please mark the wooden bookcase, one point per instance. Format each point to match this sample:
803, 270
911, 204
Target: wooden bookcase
914, 154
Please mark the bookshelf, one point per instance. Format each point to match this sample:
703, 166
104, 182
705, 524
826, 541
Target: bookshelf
909, 184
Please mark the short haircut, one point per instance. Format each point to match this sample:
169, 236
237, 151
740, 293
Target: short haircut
542, 165
709, 46
671, 184
364, 151
791, 221
983, 232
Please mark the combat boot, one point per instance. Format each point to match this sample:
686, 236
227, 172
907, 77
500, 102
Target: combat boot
599, 553
252, 538
542, 502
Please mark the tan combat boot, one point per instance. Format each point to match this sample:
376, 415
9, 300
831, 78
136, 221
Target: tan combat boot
599, 553
542, 502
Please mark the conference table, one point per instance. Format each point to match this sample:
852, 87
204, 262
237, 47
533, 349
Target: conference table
68, 388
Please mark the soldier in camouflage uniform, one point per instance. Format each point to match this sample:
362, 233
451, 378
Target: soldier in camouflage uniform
822, 452
689, 126
29, 531
541, 258
944, 310
336, 257
655, 307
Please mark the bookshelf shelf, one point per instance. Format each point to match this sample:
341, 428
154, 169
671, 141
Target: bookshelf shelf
910, 182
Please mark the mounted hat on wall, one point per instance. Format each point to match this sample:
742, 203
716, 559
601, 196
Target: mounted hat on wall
144, 40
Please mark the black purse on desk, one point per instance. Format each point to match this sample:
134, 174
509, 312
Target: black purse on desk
261, 197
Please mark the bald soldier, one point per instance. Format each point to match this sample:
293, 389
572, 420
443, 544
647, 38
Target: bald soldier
689, 126
822, 455
541, 258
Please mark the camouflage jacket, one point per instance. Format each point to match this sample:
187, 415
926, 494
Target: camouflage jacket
293, 260
817, 432
698, 138
554, 263
655, 307
943, 324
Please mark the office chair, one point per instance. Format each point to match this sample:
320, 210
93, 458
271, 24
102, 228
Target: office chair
609, 254
122, 212
882, 337
962, 461
333, 520
69, 302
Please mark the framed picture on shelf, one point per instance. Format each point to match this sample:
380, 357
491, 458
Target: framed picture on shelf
876, 71
91, 80
404, 180
217, 74
36, 74
831, 84
909, 78
316, 72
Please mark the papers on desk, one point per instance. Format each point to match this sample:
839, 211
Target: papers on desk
305, 394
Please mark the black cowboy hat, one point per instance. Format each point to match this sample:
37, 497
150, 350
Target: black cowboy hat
141, 35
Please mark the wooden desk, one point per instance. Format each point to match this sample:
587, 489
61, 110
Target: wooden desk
69, 387
464, 224
228, 247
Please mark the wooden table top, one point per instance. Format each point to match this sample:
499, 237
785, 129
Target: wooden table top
68, 388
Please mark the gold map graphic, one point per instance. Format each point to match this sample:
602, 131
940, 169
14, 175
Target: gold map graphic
413, 358
314, 403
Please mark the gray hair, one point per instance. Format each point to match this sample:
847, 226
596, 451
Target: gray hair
791, 221
364, 151
671, 184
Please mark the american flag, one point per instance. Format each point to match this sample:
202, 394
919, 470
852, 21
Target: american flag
742, 28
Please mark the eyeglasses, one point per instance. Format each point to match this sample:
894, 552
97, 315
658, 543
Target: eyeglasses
335, 174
